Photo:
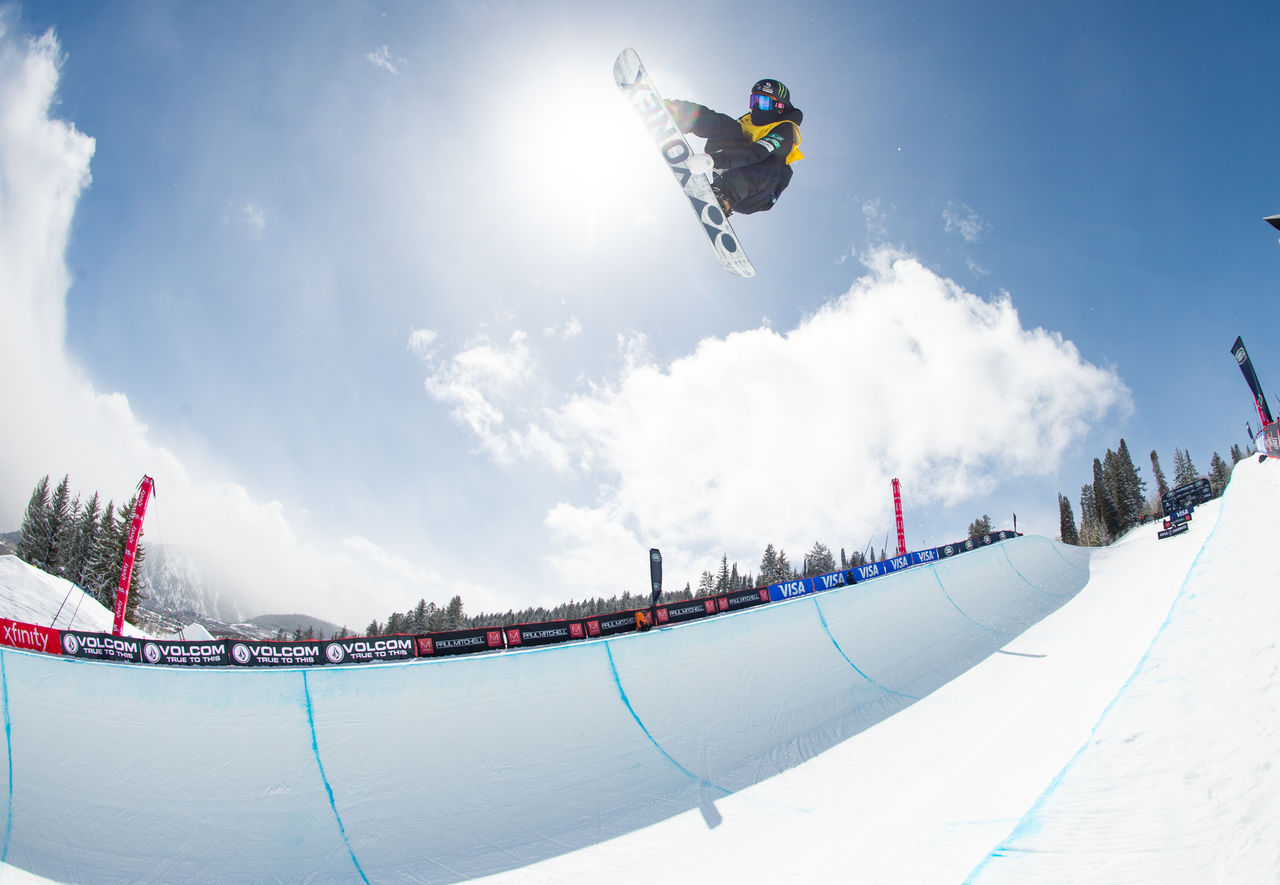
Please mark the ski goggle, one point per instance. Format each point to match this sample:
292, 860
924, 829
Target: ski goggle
762, 102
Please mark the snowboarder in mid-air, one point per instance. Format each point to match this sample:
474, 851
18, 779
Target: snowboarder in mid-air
749, 158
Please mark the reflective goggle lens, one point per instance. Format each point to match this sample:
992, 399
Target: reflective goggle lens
761, 102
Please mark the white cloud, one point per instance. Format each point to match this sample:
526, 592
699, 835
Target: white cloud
478, 383
253, 218
381, 58
248, 545
423, 341
787, 437
875, 218
960, 218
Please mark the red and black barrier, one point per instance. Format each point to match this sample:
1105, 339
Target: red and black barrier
459, 642
611, 625
730, 602
546, 633
677, 612
374, 649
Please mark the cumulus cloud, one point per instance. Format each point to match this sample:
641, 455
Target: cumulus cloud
248, 546
482, 380
772, 435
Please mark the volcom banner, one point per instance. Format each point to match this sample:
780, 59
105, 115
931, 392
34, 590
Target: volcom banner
368, 649
459, 642
167, 653
527, 635
29, 636
101, 647
302, 653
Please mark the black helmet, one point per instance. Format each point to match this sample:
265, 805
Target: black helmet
769, 95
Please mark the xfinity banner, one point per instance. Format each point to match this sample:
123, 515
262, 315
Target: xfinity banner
368, 649
102, 647
29, 636
459, 642
207, 653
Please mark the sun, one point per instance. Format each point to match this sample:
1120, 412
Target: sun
578, 159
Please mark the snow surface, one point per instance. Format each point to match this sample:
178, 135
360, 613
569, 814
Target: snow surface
1126, 736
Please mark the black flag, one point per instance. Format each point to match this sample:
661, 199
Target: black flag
1251, 378
655, 572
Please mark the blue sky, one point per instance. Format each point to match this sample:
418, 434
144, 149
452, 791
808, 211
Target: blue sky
395, 300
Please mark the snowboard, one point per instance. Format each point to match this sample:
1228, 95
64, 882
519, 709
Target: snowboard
642, 95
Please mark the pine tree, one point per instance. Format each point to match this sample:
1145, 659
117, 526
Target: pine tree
1236, 454
453, 615
980, 527
769, 566
1183, 470
1067, 522
706, 584
1105, 508
1219, 474
722, 578
61, 529
36, 531
1161, 485
1133, 488
819, 560
785, 571
1090, 529
102, 570
86, 537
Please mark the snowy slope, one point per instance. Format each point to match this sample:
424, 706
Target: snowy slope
1126, 736
505, 759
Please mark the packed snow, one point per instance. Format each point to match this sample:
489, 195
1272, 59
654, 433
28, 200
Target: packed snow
1126, 736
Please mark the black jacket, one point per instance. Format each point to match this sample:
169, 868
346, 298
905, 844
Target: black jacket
750, 173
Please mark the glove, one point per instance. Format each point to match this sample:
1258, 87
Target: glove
701, 164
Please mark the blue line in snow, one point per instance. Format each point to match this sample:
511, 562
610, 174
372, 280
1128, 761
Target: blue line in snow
885, 688
622, 692
1024, 577
1054, 548
1025, 823
315, 748
963, 613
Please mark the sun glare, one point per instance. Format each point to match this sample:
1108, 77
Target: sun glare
584, 164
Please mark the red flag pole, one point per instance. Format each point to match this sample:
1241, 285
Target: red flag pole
130, 549
897, 512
